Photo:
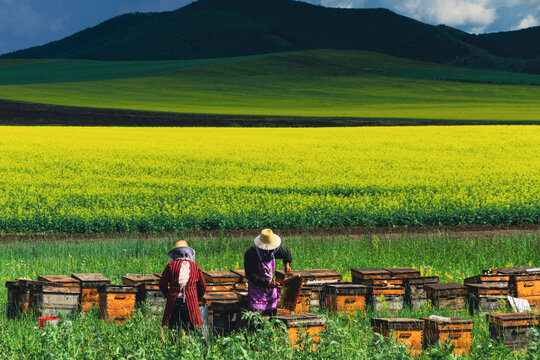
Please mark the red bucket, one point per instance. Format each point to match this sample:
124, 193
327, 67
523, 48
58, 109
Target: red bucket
42, 320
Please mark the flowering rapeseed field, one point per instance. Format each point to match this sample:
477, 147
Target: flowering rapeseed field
72, 179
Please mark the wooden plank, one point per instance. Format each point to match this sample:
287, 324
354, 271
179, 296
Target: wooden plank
139, 279
59, 279
403, 272
91, 279
220, 276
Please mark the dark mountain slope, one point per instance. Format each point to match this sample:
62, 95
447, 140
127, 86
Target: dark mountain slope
222, 28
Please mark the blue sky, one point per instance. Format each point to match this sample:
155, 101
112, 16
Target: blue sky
25, 23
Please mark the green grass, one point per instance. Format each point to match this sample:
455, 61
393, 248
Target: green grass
348, 336
321, 83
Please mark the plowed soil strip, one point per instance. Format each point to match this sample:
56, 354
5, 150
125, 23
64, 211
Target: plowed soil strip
20, 113
454, 232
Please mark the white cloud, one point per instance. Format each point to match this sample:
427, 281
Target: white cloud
527, 22
476, 14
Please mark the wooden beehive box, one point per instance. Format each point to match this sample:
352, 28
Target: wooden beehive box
368, 276
526, 287
220, 277
346, 297
316, 299
488, 279
116, 302
487, 297
459, 330
509, 270
512, 329
403, 330
147, 290
225, 316
415, 294
225, 296
54, 298
242, 274
403, 272
89, 289
21, 298
63, 280
391, 298
313, 276
447, 295
297, 324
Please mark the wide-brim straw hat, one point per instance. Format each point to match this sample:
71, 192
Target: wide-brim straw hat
267, 240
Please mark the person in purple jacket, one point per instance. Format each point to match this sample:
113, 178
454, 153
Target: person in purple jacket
259, 265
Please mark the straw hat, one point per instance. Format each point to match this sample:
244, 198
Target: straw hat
180, 243
267, 240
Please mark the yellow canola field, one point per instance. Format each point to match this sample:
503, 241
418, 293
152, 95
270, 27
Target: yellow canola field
75, 179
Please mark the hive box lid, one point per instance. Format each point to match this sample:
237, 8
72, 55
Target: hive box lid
220, 276
118, 289
448, 320
346, 289
403, 272
509, 270
241, 273
371, 271
138, 279
54, 288
487, 286
91, 278
397, 323
483, 278
313, 276
452, 286
422, 280
301, 320
61, 279
221, 296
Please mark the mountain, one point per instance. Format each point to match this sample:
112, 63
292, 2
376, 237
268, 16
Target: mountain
225, 28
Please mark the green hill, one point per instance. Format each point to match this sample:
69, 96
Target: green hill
315, 83
225, 28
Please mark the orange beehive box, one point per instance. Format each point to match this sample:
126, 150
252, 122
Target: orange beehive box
116, 302
147, 289
458, 330
526, 287
63, 280
297, 324
407, 331
89, 289
345, 297
513, 330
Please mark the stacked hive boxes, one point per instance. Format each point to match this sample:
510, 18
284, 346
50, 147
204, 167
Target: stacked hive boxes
447, 295
147, 290
385, 290
90, 283
313, 289
512, 330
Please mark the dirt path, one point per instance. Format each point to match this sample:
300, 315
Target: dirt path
454, 232
20, 113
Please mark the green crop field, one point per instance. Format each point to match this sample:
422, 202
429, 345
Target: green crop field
347, 336
322, 83
81, 180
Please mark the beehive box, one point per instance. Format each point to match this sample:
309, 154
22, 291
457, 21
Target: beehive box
242, 274
21, 298
316, 299
403, 272
89, 289
116, 302
367, 276
447, 295
458, 330
220, 277
313, 276
63, 280
346, 297
225, 296
415, 294
487, 297
55, 298
298, 324
512, 329
526, 287
500, 279
147, 290
403, 330
391, 298
225, 316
